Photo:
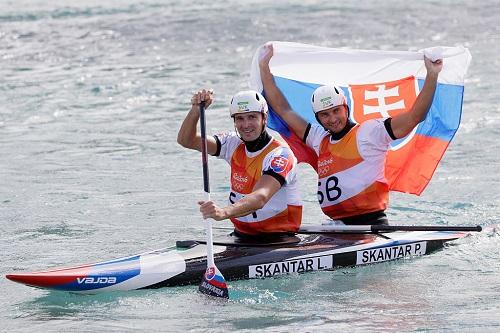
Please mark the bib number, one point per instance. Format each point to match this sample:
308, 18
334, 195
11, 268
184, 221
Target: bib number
332, 190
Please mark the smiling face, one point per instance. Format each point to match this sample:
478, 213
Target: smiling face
333, 119
249, 125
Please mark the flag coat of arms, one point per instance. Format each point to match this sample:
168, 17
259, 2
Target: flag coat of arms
377, 84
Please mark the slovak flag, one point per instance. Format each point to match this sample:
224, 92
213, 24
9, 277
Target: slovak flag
377, 84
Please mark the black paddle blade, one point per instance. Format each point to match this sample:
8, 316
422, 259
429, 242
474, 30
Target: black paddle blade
213, 283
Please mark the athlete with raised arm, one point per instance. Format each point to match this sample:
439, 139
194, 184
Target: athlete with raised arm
351, 157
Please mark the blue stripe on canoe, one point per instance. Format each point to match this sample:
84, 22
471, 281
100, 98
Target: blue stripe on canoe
121, 270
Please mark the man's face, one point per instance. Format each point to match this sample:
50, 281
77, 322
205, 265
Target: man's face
249, 125
333, 119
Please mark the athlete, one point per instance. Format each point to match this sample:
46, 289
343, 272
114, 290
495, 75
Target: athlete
351, 157
264, 198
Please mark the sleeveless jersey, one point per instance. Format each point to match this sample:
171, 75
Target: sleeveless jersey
351, 179
283, 212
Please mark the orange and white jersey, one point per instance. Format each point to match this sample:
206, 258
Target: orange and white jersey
351, 179
283, 212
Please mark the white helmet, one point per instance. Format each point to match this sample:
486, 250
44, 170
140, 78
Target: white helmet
247, 101
326, 97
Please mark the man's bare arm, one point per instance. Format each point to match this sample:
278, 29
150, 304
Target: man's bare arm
276, 99
263, 191
404, 123
188, 135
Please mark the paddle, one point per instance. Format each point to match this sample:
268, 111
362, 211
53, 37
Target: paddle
318, 229
366, 228
213, 283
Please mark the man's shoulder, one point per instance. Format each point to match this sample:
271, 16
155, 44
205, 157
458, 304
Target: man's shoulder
227, 136
281, 149
278, 150
316, 131
373, 122
317, 128
371, 125
280, 160
374, 131
227, 143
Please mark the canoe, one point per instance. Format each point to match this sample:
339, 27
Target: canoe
184, 264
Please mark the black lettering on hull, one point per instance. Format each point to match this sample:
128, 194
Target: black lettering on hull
380, 254
290, 266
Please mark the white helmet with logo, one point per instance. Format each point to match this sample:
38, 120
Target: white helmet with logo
326, 97
248, 101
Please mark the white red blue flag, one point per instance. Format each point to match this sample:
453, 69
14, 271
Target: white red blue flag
377, 84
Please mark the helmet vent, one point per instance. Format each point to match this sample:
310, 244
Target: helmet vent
336, 90
313, 98
257, 96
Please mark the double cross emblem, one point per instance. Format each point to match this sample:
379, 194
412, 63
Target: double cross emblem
382, 100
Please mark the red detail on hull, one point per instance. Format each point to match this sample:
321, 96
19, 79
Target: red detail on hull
49, 279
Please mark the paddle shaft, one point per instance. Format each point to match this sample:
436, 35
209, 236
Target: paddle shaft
206, 184
376, 228
383, 228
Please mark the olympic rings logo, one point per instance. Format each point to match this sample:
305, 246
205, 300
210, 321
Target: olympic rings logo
323, 171
238, 186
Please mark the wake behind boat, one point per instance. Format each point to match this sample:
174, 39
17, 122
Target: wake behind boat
318, 248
